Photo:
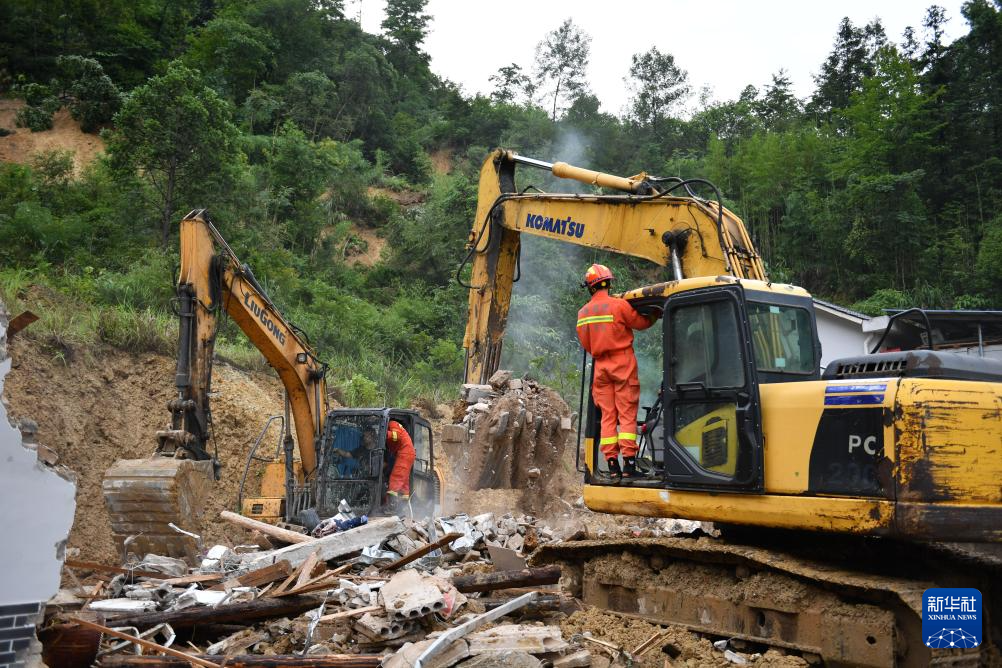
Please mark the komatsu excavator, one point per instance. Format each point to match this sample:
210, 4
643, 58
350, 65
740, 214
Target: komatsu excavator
842, 495
155, 503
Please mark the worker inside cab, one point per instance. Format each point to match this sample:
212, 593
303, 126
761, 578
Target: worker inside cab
605, 329
399, 461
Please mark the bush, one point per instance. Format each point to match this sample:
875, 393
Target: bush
35, 119
885, 298
94, 98
361, 392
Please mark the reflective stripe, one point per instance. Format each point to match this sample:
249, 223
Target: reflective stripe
592, 319
609, 440
623, 436
394, 434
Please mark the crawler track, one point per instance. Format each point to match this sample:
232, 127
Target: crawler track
852, 602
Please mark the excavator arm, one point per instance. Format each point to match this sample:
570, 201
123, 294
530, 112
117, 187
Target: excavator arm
212, 280
696, 237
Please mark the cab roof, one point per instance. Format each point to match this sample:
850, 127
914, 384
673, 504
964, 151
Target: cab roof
670, 288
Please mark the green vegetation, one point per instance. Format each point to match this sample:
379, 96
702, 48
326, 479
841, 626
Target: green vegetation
882, 189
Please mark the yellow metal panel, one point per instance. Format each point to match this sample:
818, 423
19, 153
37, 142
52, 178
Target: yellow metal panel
949, 443
790, 415
791, 512
263, 509
273, 478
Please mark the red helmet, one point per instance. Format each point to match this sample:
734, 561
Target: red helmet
596, 274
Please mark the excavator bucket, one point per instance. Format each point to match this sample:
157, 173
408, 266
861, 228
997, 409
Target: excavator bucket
145, 496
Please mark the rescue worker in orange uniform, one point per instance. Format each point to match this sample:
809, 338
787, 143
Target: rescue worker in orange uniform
605, 329
399, 461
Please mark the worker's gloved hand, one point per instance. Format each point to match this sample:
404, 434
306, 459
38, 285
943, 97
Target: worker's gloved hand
396, 502
342, 453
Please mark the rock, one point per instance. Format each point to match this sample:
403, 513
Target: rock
515, 542
500, 379
579, 659
479, 407
566, 423
505, 659
473, 393
501, 423
515, 384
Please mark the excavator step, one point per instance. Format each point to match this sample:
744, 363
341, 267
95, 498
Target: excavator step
145, 496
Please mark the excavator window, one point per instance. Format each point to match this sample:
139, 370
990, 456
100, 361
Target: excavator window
706, 346
782, 337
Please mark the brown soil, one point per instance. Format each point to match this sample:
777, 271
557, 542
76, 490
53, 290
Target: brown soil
441, 161
374, 245
65, 135
404, 198
629, 634
107, 405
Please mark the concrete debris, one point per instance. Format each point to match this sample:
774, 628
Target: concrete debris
504, 659
409, 595
517, 637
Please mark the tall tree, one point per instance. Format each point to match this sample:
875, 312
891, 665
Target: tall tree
511, 84
406, 25
658, 85
779, 107
561, 63
850, 61
175, 132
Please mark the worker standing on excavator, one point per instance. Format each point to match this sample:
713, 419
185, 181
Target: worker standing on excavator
399, 461
605, 329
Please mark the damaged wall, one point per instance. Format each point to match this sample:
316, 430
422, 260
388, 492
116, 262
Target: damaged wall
35, 519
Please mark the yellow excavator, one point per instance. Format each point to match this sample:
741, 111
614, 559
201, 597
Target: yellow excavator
156, 503
843, 495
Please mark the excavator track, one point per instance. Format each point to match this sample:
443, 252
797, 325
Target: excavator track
145, 496
837, 609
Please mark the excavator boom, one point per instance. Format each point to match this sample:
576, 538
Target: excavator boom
150, 499
695, 237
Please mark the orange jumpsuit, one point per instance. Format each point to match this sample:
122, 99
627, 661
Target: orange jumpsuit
401, 454
605, 329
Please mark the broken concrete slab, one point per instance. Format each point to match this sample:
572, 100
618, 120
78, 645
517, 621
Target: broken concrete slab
505, 659
407, 656
123, 605
473, 393
409, 595
330, 547
521, 637
579, 659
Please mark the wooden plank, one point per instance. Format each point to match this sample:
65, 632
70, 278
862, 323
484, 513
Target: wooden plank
193, 579
420, 552
244, 612
507, 579
346, 614
283, 535
248, 661
148, 644
258, 577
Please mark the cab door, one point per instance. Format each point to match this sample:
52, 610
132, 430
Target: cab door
712, 421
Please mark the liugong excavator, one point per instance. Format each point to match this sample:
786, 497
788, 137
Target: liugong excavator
806, 469
341, 451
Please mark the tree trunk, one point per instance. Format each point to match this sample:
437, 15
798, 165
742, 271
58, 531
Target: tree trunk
168, 210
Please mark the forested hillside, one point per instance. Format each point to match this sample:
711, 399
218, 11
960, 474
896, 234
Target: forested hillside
313, 143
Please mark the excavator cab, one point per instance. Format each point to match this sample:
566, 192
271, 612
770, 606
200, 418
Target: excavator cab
720, 343
354, 464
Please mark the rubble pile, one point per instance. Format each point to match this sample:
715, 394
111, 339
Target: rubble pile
388, 592
511, 434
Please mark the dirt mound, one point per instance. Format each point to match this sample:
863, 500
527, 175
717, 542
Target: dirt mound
65, 135
509, 451
108, 405
374, 245
404, 198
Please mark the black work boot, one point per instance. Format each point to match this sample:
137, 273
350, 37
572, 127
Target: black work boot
614, 471
630, 467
